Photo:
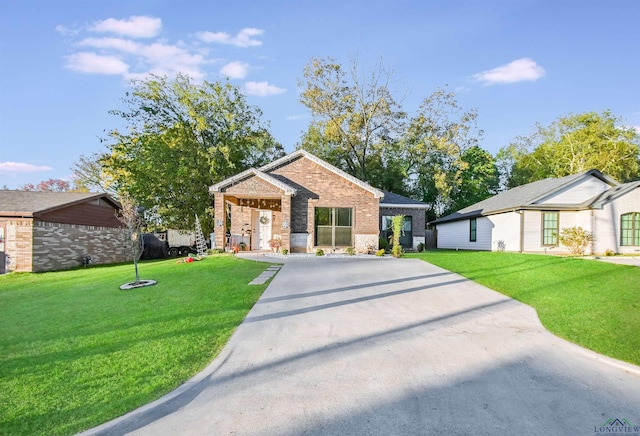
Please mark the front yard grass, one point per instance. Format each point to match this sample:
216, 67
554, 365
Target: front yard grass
588, 302
76, 351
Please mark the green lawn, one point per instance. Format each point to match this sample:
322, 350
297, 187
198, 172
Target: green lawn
591, 303
76, 351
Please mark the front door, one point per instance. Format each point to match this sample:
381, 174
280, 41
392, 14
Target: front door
261, 230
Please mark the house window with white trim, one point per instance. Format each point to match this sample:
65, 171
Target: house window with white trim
550, 228
630, 229
333, 226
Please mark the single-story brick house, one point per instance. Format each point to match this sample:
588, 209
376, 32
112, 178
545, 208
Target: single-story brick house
47, 231
308, 204
529, 218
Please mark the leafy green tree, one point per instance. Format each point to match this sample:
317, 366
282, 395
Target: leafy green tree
359, 127
436, 141
180, 138
356, 120
89, 175
479, 180
570, 145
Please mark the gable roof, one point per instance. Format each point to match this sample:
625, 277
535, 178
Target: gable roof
288, 190
613, 193
28, 203
525, 196
263, 173
377, 193
400, 201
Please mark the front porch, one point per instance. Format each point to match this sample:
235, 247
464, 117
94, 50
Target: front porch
252, 223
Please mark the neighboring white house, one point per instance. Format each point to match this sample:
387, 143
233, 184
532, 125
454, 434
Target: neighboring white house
530, 217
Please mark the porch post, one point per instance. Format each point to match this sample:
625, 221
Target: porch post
285, 232
220, 220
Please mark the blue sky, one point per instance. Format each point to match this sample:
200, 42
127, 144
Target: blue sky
65, 64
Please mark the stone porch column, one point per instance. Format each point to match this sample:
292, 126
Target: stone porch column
285, 232
220, 228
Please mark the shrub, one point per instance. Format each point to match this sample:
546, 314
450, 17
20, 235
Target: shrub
216, 251
284, 251
350, 251
396, 251
609, 252
576, 239
380, 252
420, 247
319, 252
383, 244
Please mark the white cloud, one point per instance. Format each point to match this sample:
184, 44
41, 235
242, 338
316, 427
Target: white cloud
520, 70
235, 70
86, 62
122, 54
242, 39
124, 45
66, 31
14, 168
262, 89
134, 27
172, 59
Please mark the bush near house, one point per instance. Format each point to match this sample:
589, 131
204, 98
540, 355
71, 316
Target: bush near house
576, 239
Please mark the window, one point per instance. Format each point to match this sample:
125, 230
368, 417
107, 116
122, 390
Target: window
473, 227
550, 223
406, 236
630, 229
333, 226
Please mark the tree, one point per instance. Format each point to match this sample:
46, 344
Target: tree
132, 217
438, 137
51, 185
89, 175
478, 181
181, 138
356, 120
360, 127
570, 145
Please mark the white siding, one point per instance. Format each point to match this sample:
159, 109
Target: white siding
566, 219
578, 192
455, 235
505, 233
607, 224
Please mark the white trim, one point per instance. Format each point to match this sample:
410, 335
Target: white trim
404, 206
302, 153
288, 190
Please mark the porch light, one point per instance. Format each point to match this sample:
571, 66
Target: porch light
218, 223
285, 224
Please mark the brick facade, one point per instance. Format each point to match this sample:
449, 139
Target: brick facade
315, 185
36, 246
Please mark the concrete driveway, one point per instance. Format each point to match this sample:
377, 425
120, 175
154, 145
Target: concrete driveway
369, 346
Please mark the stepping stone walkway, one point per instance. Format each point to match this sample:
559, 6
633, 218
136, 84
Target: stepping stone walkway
266, 275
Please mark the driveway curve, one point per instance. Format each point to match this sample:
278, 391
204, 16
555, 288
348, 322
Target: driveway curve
370, 346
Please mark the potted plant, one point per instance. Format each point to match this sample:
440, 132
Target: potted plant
243, 246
